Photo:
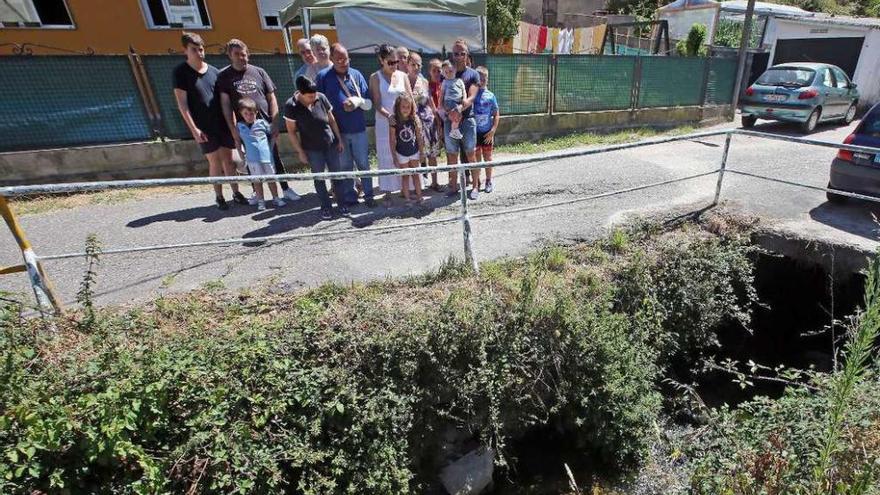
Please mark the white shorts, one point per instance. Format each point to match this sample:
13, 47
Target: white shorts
404, 160
261, 168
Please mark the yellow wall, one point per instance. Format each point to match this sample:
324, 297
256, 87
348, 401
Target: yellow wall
111, 26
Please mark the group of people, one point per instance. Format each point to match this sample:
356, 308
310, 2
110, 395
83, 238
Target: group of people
236, 109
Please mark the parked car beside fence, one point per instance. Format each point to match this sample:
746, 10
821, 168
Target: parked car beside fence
804, 93
854, 171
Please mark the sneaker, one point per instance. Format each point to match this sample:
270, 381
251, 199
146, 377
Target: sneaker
280, 203
370, 202
343, 210
326, 214
474, 194
291, 195
261, 205
239, 198
490, 186
221, 203
455, 134
253, 200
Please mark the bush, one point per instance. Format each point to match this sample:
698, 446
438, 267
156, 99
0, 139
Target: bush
822, 436
356, 389
695, 43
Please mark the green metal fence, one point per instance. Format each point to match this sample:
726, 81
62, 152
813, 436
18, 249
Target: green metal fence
55, 101
722, 77
593, 82
671, 81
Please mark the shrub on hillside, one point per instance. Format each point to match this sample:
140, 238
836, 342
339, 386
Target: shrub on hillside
355, 389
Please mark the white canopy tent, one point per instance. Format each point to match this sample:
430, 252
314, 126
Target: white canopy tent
424, 25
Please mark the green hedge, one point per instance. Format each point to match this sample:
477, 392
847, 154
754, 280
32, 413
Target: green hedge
352, 389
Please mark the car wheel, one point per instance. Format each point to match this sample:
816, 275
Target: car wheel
850, 114
811, 123
834, 198
748, 121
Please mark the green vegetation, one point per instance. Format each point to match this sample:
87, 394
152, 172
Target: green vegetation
822, 436
502, 19
695, 43
354, 389
587, 139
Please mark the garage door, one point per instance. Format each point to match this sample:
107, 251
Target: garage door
842, 52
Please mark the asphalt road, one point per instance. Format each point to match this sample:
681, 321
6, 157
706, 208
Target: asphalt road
371, 255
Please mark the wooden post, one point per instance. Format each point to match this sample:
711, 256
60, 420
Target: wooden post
43, 292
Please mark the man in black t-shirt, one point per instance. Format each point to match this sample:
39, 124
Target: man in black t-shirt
194, 89
243, 80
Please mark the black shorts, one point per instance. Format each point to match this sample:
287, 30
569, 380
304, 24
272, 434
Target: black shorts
481, 141
216, 139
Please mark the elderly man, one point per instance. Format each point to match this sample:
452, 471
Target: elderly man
347, 90
468, 126
309, 67
243, 80
321, 48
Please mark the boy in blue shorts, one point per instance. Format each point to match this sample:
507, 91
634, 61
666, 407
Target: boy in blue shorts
254, 134
487, 116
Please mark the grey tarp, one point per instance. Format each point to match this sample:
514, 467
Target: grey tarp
362, 29
322, 10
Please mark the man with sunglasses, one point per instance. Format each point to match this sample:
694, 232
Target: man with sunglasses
468, 127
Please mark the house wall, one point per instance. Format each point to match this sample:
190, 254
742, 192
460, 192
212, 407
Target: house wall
867, 74
112, 26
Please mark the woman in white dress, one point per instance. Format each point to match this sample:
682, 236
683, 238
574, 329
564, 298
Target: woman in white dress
386, 85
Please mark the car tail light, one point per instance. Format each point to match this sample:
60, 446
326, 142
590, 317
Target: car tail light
808, 94
847, 154
750, 91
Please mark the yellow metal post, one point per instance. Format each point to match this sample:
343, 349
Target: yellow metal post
46, 298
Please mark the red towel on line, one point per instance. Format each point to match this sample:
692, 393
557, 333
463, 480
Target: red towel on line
542, 39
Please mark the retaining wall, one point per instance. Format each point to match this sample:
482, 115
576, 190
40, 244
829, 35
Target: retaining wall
162, 159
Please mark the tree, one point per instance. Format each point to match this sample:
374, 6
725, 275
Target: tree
502, 19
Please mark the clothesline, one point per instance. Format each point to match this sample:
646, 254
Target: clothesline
532, 38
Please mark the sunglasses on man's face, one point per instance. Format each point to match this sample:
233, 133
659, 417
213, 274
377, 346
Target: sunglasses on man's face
459, 54
391, 62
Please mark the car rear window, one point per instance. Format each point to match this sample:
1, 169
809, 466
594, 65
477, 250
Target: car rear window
871, 124
787, 77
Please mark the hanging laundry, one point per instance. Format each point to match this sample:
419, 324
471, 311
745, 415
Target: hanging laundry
576, 41
534, 33
542, 39
567, 41
559, 45
523, 45
585, 45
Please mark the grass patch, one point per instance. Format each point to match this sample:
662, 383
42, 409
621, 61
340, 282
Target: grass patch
588, 139
35, 205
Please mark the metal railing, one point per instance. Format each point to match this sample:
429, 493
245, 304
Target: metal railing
49, 303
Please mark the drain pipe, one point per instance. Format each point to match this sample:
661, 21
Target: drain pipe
741, 61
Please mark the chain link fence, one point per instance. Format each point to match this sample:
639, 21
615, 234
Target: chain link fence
54, 101
591, 83
671, 81
57, 101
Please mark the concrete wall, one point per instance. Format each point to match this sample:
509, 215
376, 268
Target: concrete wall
183, 158
867, 74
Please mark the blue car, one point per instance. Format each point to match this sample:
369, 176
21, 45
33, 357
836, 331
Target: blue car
804, 93
855, 171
